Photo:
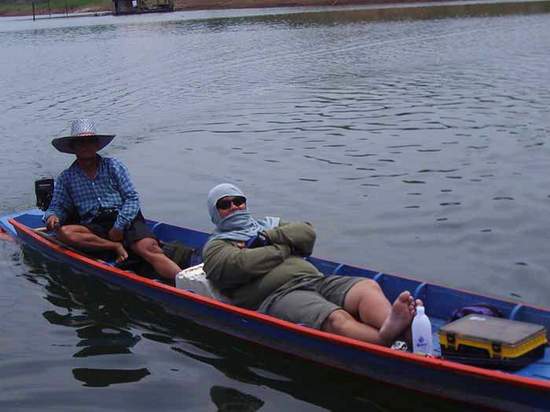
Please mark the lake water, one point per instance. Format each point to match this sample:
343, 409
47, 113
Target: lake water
414, 147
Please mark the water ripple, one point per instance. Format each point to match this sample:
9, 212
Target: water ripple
407, 144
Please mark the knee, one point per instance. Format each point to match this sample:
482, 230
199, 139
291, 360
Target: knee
337, 321
364, 289
147, 247
369, 285
154, 248
65, 233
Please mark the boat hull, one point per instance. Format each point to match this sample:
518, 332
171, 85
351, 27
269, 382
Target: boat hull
437, 377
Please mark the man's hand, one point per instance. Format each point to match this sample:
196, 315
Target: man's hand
116, 235
260, 240
52, 223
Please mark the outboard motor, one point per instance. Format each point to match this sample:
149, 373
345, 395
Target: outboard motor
43, 188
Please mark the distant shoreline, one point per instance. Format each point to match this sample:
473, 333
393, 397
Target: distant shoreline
459, 7
42, 11
181, 5
242, 4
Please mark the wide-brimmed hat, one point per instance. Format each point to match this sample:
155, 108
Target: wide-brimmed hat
81, 129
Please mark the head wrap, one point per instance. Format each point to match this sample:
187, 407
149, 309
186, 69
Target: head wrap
239, 225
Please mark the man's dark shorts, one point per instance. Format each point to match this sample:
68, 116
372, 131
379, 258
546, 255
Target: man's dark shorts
105, 220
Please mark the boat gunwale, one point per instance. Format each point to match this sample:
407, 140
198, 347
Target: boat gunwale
431, 362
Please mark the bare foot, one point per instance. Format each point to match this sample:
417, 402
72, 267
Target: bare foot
400, 318
121, 254
407, 335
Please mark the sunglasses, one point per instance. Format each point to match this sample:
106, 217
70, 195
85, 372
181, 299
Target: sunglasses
226, 202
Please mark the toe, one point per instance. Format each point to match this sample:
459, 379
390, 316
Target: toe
404, 296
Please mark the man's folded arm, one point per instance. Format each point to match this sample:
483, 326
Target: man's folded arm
299, 236
229, 266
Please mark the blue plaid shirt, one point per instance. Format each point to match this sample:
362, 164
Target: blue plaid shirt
111, 188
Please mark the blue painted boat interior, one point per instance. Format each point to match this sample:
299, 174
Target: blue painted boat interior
440, 301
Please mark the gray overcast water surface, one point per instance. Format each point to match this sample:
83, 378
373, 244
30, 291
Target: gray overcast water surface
414, 147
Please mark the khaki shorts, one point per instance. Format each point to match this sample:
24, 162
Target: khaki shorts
310, 302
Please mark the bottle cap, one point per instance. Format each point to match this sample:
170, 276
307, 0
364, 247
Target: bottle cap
420, 310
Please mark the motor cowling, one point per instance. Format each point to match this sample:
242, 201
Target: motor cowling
43, 189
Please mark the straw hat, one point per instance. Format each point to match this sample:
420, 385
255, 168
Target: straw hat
81, 129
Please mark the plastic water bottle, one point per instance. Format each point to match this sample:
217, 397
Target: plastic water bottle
421, 332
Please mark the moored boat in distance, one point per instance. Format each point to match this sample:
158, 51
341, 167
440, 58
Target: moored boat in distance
525, 388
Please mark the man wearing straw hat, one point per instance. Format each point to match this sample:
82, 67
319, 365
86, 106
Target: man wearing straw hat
99, 191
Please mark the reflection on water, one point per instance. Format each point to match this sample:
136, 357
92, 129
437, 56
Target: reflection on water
417, 147
126, 322
106, 377
231, 400
101, 331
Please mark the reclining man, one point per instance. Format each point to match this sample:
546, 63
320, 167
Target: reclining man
260, 265
99, 190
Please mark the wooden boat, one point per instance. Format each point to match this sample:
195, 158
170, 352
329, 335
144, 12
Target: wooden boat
526, 389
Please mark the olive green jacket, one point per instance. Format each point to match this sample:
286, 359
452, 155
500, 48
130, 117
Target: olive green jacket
248, 276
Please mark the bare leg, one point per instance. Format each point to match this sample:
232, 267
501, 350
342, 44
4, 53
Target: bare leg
81, 237
396, 322
342, 323
366, 302
399, 321
150, 250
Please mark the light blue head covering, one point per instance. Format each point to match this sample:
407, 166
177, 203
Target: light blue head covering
239, 225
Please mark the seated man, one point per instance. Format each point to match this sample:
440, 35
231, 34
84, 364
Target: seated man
260, 265
99, 191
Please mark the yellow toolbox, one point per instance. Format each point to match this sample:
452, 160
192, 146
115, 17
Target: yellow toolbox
492, 342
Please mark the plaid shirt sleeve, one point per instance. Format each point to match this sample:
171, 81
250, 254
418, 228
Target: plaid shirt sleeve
60, 199
130, 197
